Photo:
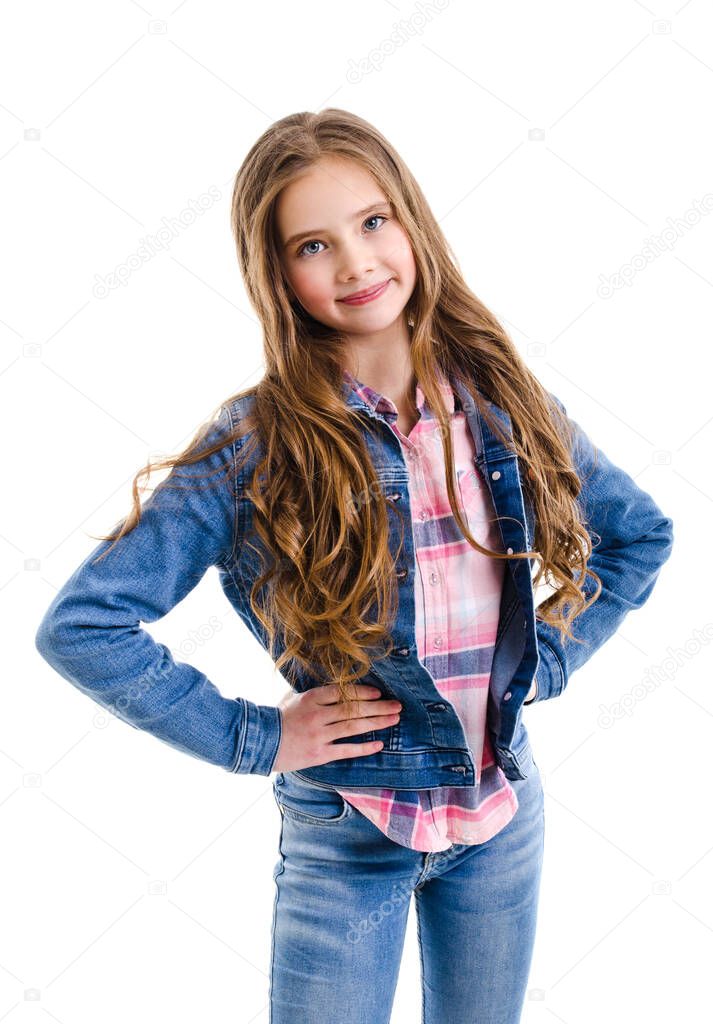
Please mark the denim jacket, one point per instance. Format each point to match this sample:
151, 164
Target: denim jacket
91, 633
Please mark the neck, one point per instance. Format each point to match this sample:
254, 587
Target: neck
384, 363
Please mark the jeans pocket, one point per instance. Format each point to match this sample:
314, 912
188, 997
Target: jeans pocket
308, 802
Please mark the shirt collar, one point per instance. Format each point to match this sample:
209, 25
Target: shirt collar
383, 404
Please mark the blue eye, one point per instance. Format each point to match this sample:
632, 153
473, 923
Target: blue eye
314, 241
375, 216
301, 252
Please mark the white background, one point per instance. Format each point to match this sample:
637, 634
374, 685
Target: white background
554, 142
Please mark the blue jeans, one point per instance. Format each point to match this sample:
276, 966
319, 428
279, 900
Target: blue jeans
343, 891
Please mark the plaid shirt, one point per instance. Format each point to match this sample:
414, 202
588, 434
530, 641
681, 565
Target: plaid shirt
457, 598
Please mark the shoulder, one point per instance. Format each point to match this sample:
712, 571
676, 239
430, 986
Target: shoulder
237, 416
239, 413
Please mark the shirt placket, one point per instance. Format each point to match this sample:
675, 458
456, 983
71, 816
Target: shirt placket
427, 603
430, 575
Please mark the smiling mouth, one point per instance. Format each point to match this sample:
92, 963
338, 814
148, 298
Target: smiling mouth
366, 296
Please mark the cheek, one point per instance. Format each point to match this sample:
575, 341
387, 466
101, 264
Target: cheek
310, 287
401, 254
406, 267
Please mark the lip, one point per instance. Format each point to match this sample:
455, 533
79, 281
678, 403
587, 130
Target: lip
359, 298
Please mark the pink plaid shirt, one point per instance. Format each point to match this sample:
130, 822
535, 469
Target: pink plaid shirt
457, 597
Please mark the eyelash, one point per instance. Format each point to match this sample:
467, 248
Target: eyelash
301, 254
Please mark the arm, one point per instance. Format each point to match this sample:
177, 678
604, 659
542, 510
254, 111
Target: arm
91, 633
632, 540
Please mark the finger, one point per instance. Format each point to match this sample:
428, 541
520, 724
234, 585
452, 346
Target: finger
359, 725
329, 694
360, 709
353, 750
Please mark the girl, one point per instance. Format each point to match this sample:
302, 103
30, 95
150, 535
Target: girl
380, 508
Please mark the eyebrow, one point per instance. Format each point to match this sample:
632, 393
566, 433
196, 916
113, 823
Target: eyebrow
323, 231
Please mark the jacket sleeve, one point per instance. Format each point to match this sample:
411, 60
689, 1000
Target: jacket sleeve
631, 540
91, 633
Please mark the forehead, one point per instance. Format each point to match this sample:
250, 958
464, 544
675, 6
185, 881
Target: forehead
328, 189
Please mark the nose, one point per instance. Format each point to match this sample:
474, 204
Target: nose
356, 261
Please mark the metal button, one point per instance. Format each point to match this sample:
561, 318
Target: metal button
458, 768
402, 652
401, 574
438, 707
395, 497
496, 474
507, 696
510, 551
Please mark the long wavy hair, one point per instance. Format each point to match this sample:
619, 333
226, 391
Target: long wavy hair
326, 593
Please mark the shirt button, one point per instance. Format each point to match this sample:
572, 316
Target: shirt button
496, 475
437, 641
423, 514
434, 578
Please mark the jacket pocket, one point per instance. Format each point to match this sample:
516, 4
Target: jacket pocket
389, 735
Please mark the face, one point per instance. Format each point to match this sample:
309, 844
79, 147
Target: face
348, 241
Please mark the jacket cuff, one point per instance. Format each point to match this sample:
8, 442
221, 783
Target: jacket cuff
261, 738
549, 675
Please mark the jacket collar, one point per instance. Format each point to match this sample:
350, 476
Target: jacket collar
361, 395
357, 396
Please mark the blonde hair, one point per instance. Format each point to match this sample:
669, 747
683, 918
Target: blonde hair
327, 592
